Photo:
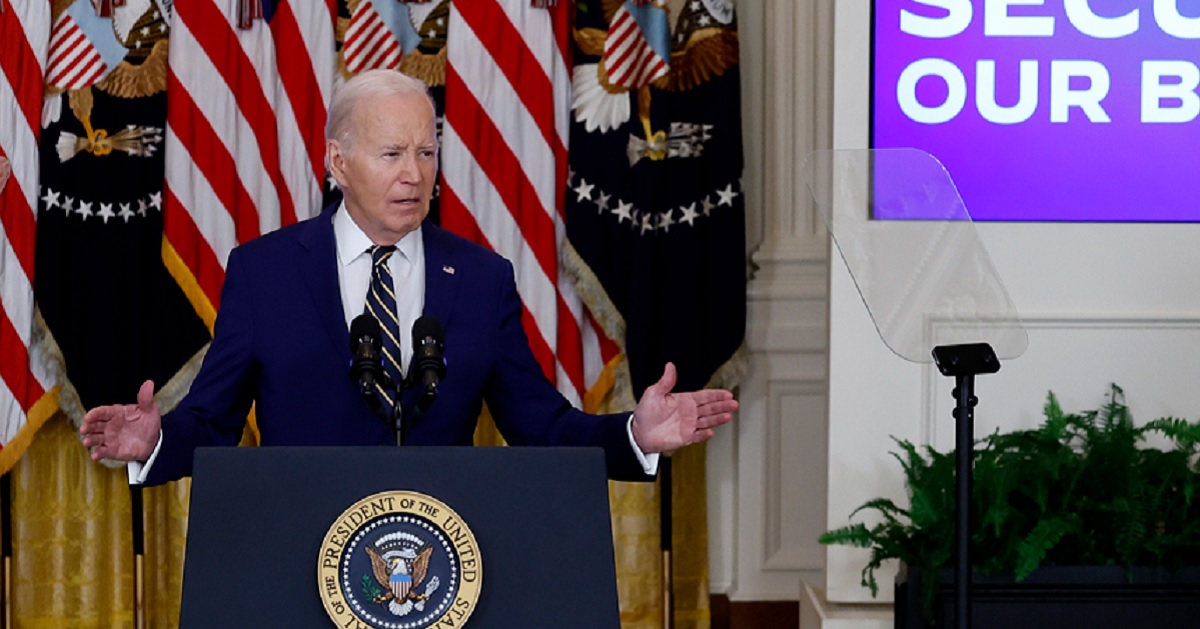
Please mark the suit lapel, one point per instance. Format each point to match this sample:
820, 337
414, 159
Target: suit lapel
441, 280
319, 272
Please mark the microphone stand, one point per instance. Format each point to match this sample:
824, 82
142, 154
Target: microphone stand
398, 418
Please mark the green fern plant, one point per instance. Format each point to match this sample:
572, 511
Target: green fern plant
1081, 489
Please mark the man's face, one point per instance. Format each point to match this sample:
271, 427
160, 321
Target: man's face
387, 165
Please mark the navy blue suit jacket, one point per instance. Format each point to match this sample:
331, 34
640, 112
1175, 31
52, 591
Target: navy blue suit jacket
281, 341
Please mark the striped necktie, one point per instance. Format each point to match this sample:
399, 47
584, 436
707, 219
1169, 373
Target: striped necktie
381, 303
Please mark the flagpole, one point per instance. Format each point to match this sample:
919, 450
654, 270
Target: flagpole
6, 549
664, 493
139, 553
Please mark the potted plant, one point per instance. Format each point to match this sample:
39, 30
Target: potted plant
1080, 514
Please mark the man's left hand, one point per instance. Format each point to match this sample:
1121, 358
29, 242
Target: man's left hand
666, 421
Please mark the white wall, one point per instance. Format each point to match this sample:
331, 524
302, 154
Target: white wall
767, 486
1103, 303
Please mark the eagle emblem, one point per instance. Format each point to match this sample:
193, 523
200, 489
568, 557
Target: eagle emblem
399, 565
399, 560
636, 53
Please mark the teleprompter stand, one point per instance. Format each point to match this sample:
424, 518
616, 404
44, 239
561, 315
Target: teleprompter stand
964, 362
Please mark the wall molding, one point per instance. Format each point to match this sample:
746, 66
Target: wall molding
1079, 322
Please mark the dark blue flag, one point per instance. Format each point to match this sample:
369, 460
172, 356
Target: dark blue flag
117, 315
654, 206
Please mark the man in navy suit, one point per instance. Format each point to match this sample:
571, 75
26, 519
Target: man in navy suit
282, 337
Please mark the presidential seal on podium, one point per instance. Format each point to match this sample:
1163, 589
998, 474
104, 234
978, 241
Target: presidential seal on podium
399, 560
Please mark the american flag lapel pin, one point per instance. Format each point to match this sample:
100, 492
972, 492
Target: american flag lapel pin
446, 268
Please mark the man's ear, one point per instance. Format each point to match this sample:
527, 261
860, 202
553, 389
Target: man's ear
335, 158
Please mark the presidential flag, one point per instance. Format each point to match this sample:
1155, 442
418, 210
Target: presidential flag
115, 314
655, 211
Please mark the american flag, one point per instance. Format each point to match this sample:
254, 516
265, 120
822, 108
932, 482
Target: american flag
370, 44
245, 129
74, 61
504, 168
630, 58
26, 395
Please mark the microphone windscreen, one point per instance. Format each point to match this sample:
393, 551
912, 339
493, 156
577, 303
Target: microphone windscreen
427, 326
364, 324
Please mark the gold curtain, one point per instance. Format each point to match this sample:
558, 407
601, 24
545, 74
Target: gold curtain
73, 565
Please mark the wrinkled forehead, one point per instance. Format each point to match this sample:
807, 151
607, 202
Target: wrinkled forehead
405, 119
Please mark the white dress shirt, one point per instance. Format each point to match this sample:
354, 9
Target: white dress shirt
354, 274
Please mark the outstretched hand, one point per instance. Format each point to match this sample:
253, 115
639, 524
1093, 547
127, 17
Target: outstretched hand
666, 421
123, 432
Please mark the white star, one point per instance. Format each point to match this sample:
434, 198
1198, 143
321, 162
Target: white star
156, 200
727, 195
584, 190
602, 202
704, 20
695, 5
146, 31
622, 211
332, 183
647, 222
689, 214
125, 213
142, 207
85, 210
707, 205
68, 204
665, 221
106, 212
50, 198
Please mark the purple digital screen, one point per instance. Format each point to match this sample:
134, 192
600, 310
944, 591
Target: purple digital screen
1046, 110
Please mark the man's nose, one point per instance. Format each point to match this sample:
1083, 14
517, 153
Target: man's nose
410, 171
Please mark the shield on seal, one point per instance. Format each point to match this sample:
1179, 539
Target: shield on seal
401, 584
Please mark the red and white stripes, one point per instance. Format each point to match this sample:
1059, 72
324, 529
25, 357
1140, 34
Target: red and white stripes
628, 57
73, 62
369, 43
504, 167
245, 131
24, 381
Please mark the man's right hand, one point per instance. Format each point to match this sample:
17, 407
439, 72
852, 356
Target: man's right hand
123, 432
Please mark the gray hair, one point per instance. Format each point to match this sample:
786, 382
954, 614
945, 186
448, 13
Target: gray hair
371, 83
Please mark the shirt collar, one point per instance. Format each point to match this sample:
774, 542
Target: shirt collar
352, 242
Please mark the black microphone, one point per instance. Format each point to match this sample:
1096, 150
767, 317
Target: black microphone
429, 357
366, 362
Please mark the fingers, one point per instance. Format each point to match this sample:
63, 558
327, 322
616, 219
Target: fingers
707, 396
667, 382
723, 407
94, 420
145, 396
